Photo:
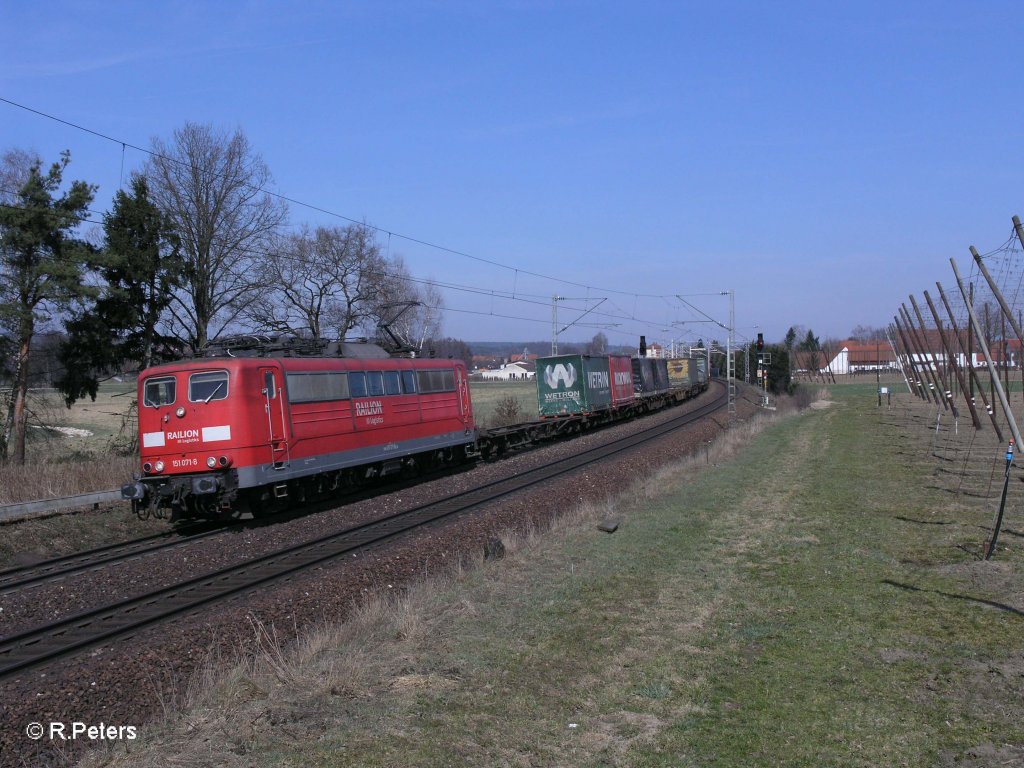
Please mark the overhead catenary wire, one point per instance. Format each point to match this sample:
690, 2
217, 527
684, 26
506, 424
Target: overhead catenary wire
522, 298
312, 207
517, 271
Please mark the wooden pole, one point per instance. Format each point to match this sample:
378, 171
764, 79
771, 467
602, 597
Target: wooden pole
970, 364
1018, 229
951, 356
988, 357
893, 340
947, 393
970, 344
926, 362
1007, 312
988, 330
1006, 361
918, 382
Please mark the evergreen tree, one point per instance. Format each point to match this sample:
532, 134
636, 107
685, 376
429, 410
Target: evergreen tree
140, 267
41, 264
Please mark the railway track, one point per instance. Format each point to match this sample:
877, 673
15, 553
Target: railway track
52, 641
12, 579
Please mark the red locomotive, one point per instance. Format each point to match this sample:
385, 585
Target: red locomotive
221, 435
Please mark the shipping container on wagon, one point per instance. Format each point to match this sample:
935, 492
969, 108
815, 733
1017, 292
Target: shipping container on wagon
702, 369
571, 384
682, 372
643, 375
621, 369
660, 366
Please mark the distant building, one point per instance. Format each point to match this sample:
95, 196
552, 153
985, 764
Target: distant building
511, 372
654, 349
859, 357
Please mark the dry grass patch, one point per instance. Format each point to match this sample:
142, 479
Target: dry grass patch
47, 477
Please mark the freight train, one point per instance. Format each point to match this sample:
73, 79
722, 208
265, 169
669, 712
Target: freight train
254, 429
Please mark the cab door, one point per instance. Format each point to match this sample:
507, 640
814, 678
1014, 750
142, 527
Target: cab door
465, 401
277, 421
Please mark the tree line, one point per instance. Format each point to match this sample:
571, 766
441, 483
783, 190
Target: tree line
193, 249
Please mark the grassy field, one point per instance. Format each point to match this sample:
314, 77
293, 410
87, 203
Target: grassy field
818, 599
487, 395
74, 450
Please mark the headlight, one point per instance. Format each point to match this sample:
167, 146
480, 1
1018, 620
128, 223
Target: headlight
159, 466
211, 462
180, 413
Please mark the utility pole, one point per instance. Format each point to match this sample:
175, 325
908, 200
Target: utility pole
730, 364
554, 323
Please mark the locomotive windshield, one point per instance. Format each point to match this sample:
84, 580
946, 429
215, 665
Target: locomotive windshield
159, 391
204, 387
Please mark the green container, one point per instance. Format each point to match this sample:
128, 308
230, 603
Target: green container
572, 384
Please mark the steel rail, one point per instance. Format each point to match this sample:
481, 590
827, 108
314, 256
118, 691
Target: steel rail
12, 579
60, 638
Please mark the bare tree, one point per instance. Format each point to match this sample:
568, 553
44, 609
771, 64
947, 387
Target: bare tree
866, 333
597, 345
360, 271
212, 186
412, 309
323, 282
297, 286
15, 169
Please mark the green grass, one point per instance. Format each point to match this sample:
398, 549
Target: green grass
813, 602
487, 395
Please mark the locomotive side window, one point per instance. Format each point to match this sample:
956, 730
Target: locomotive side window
374, 383
204, 387
269, 388
159, 392
409, 382
392, 383
317, 387
357, 383
436, 381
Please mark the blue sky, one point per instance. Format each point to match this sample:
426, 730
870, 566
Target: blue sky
822, 160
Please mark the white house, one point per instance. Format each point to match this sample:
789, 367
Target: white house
509, 372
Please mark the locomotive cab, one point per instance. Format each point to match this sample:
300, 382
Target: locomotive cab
192, 439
